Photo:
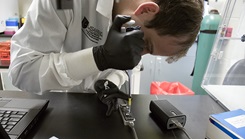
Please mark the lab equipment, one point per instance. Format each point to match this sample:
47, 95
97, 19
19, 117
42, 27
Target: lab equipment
236, 74
128, 118
222, 78
126, 114
206, 38
164, 113
12, 26
227, 125
167, 115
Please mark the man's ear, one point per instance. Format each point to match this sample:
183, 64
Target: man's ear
150, 8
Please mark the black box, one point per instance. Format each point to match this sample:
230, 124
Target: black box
164, 113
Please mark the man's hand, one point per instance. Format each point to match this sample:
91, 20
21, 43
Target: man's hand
108, 93
121, 50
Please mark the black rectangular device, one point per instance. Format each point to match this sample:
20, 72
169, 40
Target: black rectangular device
165, 114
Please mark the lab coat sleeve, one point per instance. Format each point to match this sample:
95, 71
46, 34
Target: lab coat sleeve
37, 63
118, 77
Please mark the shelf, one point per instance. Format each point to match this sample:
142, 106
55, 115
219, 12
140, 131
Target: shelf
3, 35
230, 38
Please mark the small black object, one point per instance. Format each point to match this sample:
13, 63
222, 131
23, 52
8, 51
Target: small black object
243, 38
165, 113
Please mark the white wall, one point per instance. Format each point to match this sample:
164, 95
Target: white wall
217, 4
23, 7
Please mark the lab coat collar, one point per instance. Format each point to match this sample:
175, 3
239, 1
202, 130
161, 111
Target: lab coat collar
104, 7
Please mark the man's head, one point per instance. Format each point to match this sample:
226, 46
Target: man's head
170, 26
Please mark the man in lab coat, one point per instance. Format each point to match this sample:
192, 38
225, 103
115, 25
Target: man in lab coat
71, 49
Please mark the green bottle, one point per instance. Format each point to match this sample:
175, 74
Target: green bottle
209, 27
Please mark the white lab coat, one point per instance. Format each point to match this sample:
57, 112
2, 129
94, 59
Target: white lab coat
53, 50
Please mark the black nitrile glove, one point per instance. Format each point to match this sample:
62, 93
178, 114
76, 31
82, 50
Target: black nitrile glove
121, 50
108, 93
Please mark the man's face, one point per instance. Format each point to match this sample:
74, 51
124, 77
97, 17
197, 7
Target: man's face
161, 45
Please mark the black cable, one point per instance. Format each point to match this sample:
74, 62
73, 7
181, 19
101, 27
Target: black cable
183, 129
131, 125
180, 126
